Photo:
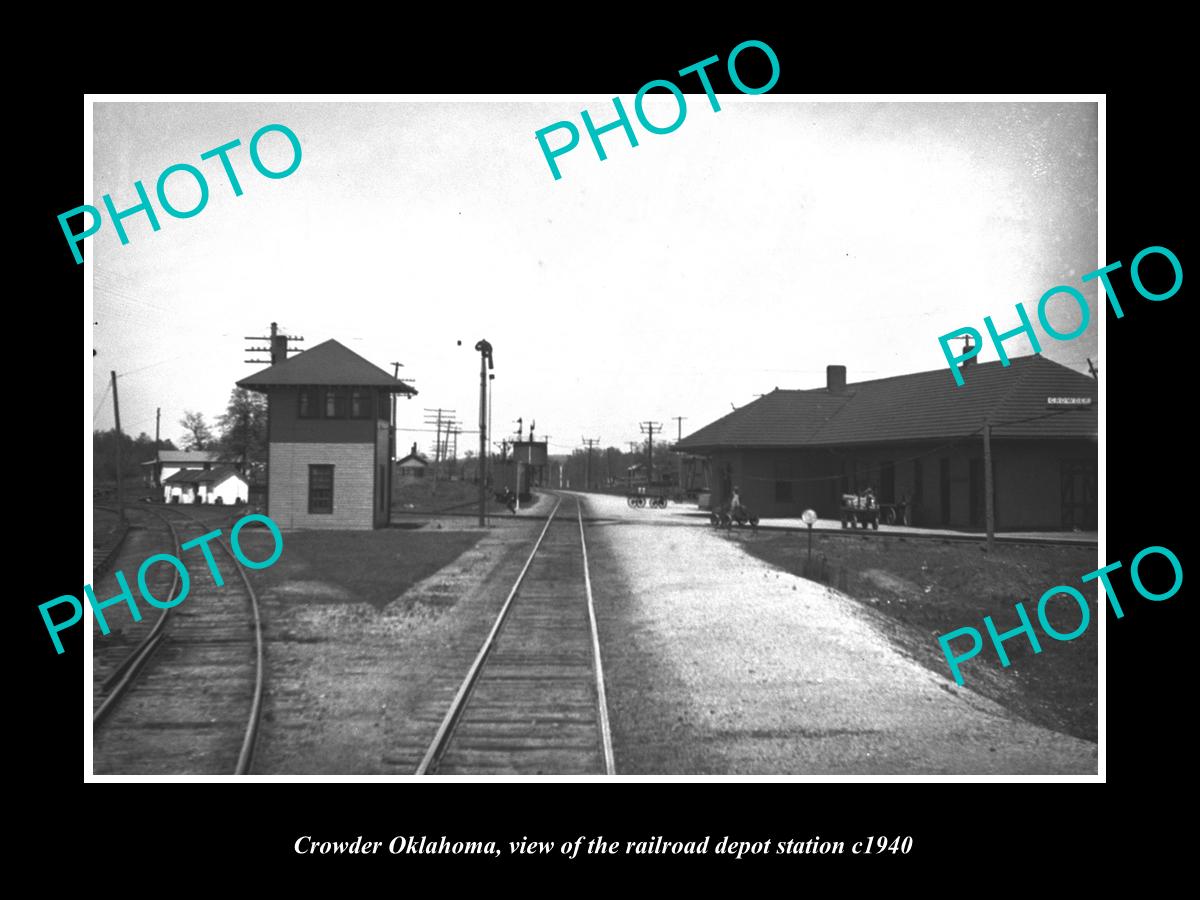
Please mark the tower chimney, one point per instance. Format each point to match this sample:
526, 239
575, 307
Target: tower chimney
279, 345
835, 379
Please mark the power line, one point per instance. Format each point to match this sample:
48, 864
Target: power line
103, 397
150, 366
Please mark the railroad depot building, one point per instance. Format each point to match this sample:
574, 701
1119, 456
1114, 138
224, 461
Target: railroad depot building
328, 414
918, 438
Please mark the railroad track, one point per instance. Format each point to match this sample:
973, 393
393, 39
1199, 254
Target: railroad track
187, 699
533, 700
114, 549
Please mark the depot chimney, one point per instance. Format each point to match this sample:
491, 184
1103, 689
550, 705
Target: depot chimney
967, 348
835, 379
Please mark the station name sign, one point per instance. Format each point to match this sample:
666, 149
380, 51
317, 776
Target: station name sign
1068, 402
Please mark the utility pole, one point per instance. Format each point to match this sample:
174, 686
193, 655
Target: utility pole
1092, 368
680, 421
648, 428
157, 431
392, 427
678, 454
277, 346
989, 508
117, 416
485, 363
442, 420
590, 443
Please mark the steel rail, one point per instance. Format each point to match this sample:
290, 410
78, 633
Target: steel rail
610, 766
442, 738
249, 741
245, 759
134, 663
125, 673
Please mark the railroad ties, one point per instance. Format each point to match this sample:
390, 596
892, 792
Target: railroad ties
186, 707
533, 703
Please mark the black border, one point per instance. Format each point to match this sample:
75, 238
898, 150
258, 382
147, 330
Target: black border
958, 828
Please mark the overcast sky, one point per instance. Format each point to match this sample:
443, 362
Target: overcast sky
746, 250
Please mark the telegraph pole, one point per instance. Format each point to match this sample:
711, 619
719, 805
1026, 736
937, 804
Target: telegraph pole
1092, 368
679, 455
443, 421
485, 363
277, 346
680, 421
117, 416
989, 508
157, 431
648, 428
392, 429
590, 443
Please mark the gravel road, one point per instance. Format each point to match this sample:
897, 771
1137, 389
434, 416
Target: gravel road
716, 663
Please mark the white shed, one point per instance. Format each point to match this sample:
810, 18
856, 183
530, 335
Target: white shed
222, 486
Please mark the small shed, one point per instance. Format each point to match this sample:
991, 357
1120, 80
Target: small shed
412, 466
223, 485
166, 463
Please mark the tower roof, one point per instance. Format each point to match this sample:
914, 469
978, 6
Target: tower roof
326, 363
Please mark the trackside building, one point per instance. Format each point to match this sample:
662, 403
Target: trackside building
918, 439
328, 439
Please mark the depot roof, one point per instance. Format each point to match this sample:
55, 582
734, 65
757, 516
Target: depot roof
921, 406
328, 363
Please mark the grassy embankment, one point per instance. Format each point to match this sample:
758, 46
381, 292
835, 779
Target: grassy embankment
424, 495
353, 566
919, 590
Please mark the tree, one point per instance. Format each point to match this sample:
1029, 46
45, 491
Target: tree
198, 435
244, 428
134, 452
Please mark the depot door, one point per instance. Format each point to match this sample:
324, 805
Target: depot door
1079, 494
